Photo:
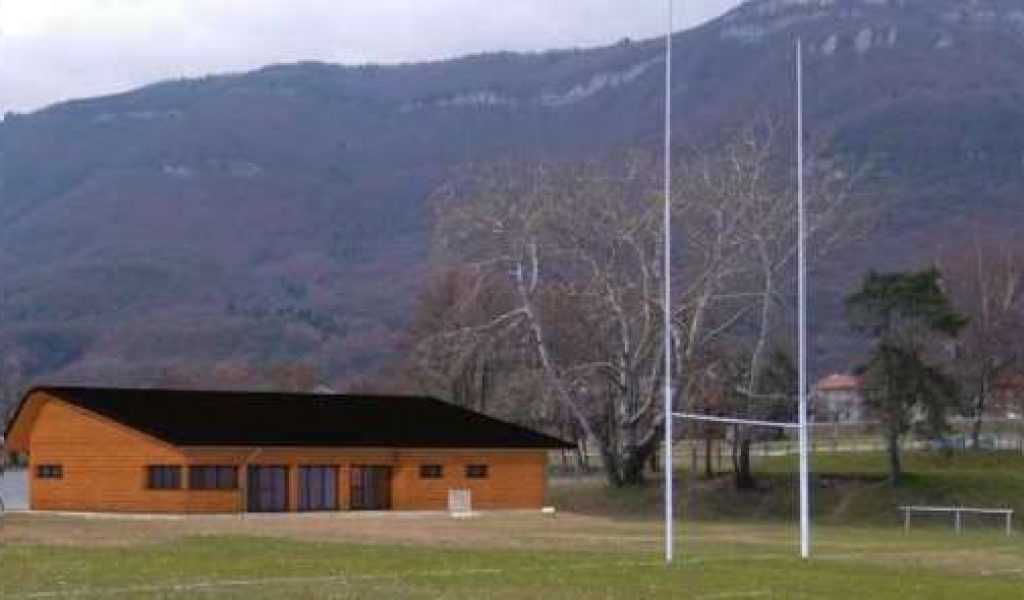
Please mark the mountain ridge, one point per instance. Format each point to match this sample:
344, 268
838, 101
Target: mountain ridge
278, 215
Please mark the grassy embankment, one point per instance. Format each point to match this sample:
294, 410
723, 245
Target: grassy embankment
848, 489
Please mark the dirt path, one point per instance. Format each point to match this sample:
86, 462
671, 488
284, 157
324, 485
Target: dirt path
498, 530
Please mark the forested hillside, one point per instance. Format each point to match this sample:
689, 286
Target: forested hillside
230, 226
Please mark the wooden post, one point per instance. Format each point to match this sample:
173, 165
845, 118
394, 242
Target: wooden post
959, 521
906, 521
1009, 523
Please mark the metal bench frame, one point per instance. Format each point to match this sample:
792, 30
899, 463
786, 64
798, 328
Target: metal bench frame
957, 512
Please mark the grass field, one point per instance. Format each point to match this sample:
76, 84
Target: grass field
611, 554
847, 489
499, 556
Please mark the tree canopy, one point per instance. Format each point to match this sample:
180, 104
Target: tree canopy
908, 315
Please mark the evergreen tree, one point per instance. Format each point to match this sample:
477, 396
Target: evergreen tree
907, 315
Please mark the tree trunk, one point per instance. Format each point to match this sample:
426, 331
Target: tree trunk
979, 414
582, 459
895, 465
633, 469
744, 475
626, 468
734, 449
709, 467
976, 434
611, 467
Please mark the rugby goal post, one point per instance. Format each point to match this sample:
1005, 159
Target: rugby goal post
801, 427
670, 414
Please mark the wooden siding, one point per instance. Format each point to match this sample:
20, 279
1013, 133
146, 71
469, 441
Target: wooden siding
514, 479
104, 464
105, 470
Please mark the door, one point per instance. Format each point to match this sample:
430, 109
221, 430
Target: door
318, 487
14, 489
267, 489
371, 488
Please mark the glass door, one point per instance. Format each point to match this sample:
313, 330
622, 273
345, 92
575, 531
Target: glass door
267, 489
370, 488
318, 487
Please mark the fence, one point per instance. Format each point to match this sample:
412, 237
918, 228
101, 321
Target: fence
837, 438
958, 513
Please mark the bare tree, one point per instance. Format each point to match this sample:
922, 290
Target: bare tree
750, 196
985, 279
577, 249
448, 356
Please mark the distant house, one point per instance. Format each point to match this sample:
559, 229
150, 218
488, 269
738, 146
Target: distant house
177, 451
839, 398
1008, 401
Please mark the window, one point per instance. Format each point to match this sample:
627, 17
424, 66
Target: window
431, 471
476, 471
213, 478
49, 472
163, 477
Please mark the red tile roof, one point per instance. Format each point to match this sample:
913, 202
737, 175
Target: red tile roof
839, 381
1011, 381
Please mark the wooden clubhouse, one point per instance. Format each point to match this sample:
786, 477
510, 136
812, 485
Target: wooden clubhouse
178, 451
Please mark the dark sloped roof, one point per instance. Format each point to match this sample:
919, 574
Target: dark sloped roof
212, 418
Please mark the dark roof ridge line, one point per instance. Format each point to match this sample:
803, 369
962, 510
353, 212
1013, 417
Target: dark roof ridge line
338, 420
234, 392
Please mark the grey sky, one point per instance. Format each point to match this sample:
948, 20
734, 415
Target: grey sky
51, 50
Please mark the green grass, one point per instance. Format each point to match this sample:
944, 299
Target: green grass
861, 494
848, 489
730, 545
871, 463
251, 568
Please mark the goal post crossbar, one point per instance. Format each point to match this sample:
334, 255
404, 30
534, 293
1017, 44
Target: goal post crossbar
734, 421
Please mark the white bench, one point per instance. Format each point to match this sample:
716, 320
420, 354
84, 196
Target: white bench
957, 512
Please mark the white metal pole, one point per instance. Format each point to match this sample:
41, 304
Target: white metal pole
805, 516
667, 307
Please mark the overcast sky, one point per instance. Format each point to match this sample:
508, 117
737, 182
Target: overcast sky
51, 50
